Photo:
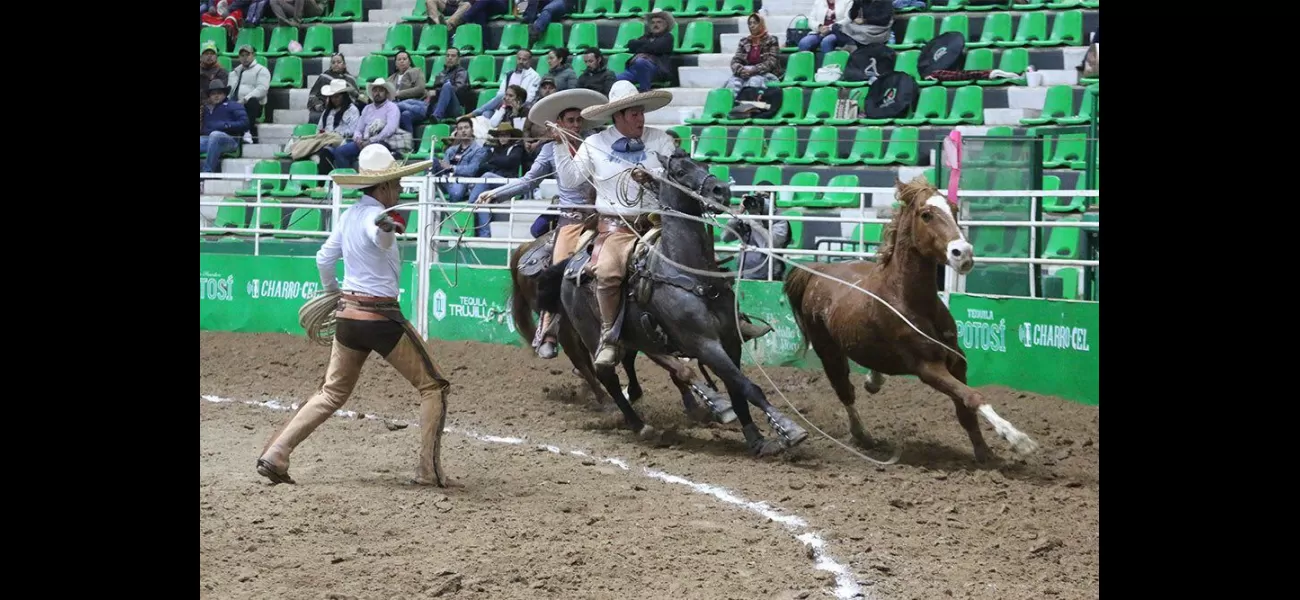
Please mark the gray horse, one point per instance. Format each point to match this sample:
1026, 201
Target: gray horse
672, 312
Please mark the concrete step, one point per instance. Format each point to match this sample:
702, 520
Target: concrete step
387, 15
728, 42
369, 33
1053, 77
1009, 116
262, 150
274, 133
1026, 97
238, 165
715, 60
688, 96
208, 214
298, 96
222, 187
404, 6
361, 49
703, 77
290, 117
670, 116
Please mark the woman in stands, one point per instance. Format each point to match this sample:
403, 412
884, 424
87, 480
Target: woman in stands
511, 108
823, 15
757, 61
316, 101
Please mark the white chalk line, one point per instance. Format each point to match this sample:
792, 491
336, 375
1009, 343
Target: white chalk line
846, 584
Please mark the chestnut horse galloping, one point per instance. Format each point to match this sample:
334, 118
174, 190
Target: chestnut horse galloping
843, 323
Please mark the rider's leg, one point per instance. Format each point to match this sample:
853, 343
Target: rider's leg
610, 270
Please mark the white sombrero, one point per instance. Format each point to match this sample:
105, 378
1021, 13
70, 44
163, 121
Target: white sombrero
377, 166
624, 95
550, 107
335, 86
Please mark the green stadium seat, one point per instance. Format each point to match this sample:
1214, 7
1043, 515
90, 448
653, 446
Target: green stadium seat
433, 40
696, 8
553, 37
731, 8
263, 167
292, 188
485, 96
280, 38
951, 6
373, 66
782, 145
1058, 103
711, 145
1064, 242
288, 73
344, 11
1092, 3
253, 36
767, 175
299, 131
1006, 5
698, 38
1063, 4
932, 105
799, 70
683, 132
632, 8
673, 7
1067, 30
618, 62
823, 145
482, 71
595, 9
216, 35
920, 30
425, 150
722, 172
514, 37
419, 14
977, 59
458, 224
1083, 116
435, 66
581, 37
1062, 204
627, 31
1014, 60
795, 199
1031, 27
967, 108
400, 35
1069, 152
749, 144
232, 213
1032, 5
868, 144
821, 106
791, 108
839, 199
904, 148
469, 38
997, 30
304, 220
957, 23
906, 62
318, 41
717, 106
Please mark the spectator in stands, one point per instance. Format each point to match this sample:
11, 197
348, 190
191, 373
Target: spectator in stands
597, 77
209, 69
463, 158
338, 69
219, 14
869, 22
249, 84
377, 125
292, 12
410, 91
223, 123
341, 113
535, 135
757, 60
505, 160
443, 99
541, 13
438, 10
823, 15
512, 110
652, 51
479, 11
755, 263
523, 76
252, 10
561, 71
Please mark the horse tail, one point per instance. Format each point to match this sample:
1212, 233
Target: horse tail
520, 311
549, 283
796, 284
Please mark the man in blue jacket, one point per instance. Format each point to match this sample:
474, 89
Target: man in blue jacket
224, 122
465, 157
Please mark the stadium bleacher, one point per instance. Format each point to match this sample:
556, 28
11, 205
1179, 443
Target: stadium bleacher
803, 145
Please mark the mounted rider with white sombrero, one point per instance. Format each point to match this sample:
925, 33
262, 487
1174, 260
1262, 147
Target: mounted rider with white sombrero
576, 193
367, 317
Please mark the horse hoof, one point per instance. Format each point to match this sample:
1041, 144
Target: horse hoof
725, 416
647, 432
767, 447
1022, 444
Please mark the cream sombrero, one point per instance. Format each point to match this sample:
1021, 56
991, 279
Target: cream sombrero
550, 107
624, 95
377, 166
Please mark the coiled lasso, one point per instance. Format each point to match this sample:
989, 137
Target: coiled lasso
317, 317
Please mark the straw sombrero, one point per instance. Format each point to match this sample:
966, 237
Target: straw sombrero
384, 83
624, 95
550, 107
377, 166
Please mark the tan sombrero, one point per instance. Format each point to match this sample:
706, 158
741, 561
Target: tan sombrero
550, 107
624, 95
384, 83
377, 166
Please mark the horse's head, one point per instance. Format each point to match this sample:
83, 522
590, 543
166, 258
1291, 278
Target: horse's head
933, 223
680, 169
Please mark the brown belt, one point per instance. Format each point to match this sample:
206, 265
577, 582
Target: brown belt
640, 224
366, 298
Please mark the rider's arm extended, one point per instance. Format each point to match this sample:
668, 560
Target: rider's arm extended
542, 166
572, 169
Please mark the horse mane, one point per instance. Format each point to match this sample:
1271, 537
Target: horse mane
910, 194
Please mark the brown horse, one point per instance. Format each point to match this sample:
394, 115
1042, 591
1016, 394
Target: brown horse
843, 323
523, 303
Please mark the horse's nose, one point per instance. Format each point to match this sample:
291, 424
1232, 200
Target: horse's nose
957, 253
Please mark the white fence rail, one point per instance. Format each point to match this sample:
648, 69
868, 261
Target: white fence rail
430, 201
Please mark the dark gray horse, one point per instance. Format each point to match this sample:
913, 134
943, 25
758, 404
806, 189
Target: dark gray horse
671, 312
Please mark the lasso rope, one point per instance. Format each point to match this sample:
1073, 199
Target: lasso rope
317, 317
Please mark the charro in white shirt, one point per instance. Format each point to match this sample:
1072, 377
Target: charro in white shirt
597, 160
371, 261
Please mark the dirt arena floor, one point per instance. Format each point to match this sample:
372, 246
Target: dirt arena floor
531, 523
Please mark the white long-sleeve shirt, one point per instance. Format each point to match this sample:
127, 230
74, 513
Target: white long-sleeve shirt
371, 262
594, 160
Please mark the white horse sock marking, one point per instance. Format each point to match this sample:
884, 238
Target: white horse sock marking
1018, 440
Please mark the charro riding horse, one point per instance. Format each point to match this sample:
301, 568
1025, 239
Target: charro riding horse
670, 311
843, 323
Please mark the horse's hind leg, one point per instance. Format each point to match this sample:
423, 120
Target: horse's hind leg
873, 382
836, 367
581, 359
633, 389
683, 376
968, 403
608, 377
743, 391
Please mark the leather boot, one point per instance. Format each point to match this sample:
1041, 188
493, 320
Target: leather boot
610, 299
344, 370
749, 331
546, 329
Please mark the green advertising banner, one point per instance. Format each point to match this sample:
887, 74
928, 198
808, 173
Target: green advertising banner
1044, 346
262, 294
471, 303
